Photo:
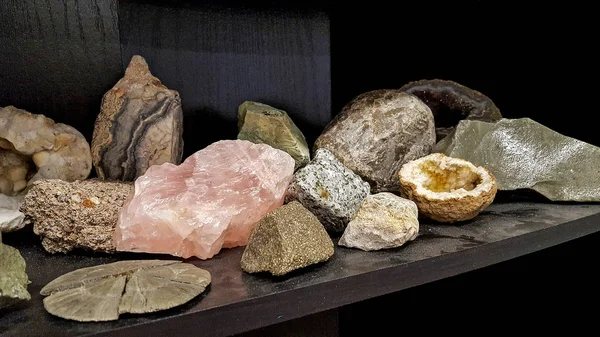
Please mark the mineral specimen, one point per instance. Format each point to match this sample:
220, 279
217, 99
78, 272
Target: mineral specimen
329, 190
10, 217
451, 102
524, 154
447, 189
377, 132
102, 293
383, 221
140, 124
260, 123
81, 214
286, 239
33, 147
13, 279
212, 200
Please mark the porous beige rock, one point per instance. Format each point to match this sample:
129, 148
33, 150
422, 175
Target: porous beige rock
33, 147
447, 189
81, 214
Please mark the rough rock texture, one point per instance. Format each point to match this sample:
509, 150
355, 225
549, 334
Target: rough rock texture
524, 154
11, 219
102, 293
13, 279
263, 124
81, 214
286, 239
329, 190
212, 200
33, 147
383, 221
377, 132
451, 102
140, 124
447, 189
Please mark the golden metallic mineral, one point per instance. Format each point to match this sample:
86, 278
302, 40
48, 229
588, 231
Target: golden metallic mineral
447, 189
287, 239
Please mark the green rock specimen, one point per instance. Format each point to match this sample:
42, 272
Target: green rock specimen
287, 239
263, 124
524, 154
102, 293
13, 279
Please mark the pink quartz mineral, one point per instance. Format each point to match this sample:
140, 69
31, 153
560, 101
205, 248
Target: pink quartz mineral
212, 200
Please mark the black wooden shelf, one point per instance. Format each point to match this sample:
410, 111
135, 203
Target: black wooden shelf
237, 302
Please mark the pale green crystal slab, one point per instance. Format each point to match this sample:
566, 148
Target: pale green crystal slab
13, 279
524, 154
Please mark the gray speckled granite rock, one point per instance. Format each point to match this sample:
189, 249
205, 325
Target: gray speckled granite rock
329, 190
524, 154
383, 221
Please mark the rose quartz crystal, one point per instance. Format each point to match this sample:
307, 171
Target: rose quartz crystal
212, 200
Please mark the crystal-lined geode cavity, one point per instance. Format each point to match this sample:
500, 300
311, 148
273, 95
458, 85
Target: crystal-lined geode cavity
524, 154
451, 102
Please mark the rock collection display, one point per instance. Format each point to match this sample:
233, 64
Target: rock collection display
524, 154
383, 221
13, 279
287, 239
77, 215
451, 102
329, 190
377, 132
211, 201
140, 124
102, 293
263, 124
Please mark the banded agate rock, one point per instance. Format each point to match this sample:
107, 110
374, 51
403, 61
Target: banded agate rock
261, 123
287, 239
377, 132
102, 293
212, 200
524, 154
33, 147
13, 279
140, 124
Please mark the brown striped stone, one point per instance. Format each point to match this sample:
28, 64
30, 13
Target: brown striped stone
140, 124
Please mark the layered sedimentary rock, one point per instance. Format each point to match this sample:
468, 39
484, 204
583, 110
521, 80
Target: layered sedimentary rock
33, 147
377, 132
447, 189
140, 124
451, 102
11, 219
102, 293
81, 214
524, 154
383, 221
285, 240
13, 279
212, 200
261, 123
329, 190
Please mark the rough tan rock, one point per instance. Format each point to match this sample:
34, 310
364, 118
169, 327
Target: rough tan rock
447, 189
140, 124
33, 147
81, 214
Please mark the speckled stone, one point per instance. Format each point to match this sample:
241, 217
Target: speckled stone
287, 239
263, 124
383, 221
329, 190
377, 132
13, 279
81, 214
102, 293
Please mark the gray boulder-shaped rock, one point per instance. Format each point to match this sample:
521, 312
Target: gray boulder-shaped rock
329, 190
263, 124
13, 279
383, 221
102, 293
524, 154
377, 132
